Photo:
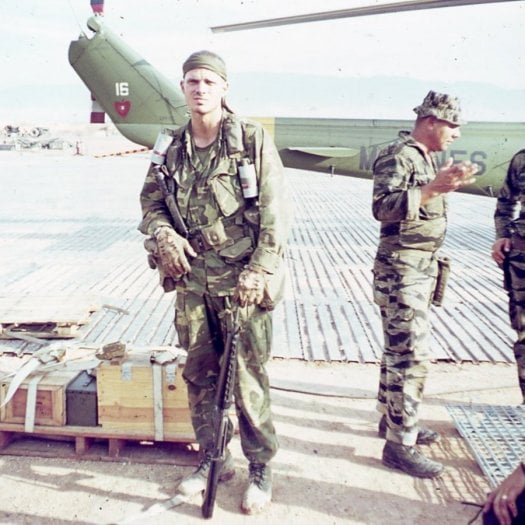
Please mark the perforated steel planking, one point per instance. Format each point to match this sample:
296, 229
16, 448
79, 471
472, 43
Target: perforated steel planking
495, 435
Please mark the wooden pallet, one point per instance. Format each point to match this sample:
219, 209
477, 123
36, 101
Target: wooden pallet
95, 444
44, 317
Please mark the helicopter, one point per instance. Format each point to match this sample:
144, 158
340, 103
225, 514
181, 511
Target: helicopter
141, 101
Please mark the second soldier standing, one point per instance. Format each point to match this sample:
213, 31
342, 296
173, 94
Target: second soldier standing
232, 258
409, 201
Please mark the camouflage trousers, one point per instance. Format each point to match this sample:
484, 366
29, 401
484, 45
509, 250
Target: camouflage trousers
403, 286
201, 327
514, 281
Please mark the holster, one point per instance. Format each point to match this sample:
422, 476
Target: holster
507, 278
441, 281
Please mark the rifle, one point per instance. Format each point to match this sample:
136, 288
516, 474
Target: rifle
223, 401
160, 175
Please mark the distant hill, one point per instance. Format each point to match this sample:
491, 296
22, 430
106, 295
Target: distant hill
286, 95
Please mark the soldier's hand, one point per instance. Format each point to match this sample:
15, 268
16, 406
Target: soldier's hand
503, 498
250, 288
453, 176
173, 251
465, 172
450, 178
500, 249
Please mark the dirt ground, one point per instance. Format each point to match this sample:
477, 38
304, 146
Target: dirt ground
328, 469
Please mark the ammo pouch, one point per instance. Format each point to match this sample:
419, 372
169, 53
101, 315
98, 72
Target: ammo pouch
167, 283
441, 281
227, 237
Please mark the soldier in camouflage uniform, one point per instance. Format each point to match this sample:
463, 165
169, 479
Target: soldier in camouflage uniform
232, 258
509, 252
409, 200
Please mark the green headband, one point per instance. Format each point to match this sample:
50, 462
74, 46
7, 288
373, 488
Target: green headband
205, 60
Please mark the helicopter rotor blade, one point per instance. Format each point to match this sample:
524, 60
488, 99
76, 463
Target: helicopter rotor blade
378, 9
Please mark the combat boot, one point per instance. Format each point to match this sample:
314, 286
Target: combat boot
425, 436
196, 481
259, 492
410, 460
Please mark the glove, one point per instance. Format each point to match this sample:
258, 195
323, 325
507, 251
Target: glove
250, 288
172, 252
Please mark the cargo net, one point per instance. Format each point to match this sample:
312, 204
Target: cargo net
495, 435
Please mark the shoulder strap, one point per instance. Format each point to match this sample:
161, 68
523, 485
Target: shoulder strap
175, 150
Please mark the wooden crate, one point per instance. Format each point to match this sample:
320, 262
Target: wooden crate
50, 404
136, 397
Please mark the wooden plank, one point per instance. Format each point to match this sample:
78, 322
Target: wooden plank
115, 447
83, 444
39, 330
96, 432
46, 309
44, 317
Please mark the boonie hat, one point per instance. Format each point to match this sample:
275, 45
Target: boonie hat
441, 106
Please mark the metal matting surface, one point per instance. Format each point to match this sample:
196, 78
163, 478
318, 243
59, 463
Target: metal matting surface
495, 435
68, 228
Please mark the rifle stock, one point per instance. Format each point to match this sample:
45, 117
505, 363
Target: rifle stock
223, 401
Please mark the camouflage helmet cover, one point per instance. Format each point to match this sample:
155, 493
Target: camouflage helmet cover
441, 106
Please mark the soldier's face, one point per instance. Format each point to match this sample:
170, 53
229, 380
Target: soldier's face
203, 90
443, 134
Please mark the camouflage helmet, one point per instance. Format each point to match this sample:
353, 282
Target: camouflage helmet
441, 106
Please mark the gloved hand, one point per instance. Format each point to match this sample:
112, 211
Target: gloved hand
172, 252
250, 288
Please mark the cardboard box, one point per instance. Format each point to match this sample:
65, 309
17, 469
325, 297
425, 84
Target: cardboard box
50, 404
144, 399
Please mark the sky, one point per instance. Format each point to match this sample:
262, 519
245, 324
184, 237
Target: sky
474, 52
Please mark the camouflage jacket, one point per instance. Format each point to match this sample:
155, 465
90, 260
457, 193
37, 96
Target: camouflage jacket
399, 171
237, 232
509, 217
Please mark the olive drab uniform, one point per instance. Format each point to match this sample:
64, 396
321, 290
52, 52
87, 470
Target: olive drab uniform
228, 232
405, 271
509, 220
